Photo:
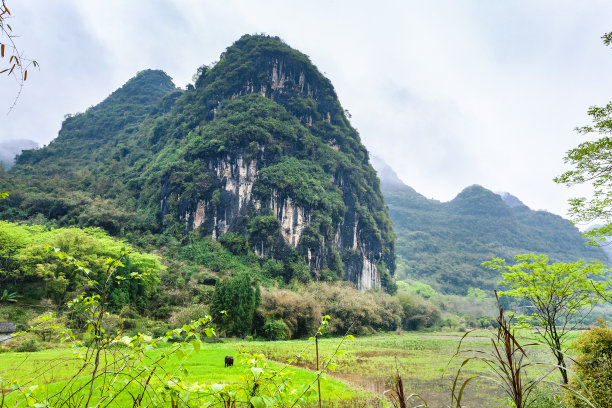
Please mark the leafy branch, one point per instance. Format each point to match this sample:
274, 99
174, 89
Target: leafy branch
17, 65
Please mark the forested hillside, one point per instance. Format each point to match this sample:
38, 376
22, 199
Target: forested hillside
259, 148
443, 244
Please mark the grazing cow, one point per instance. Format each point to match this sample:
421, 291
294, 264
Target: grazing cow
229, 361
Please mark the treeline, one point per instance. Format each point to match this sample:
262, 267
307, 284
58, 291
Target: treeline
246, 296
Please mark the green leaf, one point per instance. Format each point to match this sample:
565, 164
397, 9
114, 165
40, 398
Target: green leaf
217, 388
258, 402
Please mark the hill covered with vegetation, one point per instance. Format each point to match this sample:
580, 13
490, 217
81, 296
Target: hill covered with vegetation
443, 244
259, 154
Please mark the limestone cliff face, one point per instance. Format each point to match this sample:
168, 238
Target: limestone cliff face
281, 165
235, 202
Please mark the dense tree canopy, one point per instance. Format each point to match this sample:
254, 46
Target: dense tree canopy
26, 266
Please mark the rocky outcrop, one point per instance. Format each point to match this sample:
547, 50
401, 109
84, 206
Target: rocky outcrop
232, 201
293, 219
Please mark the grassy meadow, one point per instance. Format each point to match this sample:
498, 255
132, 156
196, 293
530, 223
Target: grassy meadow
51, 369
367, 368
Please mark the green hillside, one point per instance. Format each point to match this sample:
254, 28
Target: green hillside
443, 244
260, 147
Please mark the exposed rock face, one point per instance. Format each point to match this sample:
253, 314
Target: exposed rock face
260, 147
510, 200
293, 219
235, 178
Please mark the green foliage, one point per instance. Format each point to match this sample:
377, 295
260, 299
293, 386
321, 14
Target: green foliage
591, 165
558, 295
214, 256
386, 280
234, 243
234, 303
546, 396
28, 346
25, 263
297, 269
264, 236
186, 315
593, 368
367, 312
302, 181
418, 288
417, 313
476, 294
364, 312
507, 362
8, 297
275, 329
299, 312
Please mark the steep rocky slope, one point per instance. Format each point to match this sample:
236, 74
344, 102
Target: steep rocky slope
260, 147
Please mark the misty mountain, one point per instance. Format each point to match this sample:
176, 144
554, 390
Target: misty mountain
444, 244
12, 147
510, 200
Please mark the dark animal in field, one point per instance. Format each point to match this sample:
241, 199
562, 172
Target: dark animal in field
229, 361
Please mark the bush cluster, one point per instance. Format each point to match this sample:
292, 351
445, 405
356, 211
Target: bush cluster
593, 368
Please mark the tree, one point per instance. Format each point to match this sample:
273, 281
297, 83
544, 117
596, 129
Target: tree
18, 64
592, 162
559, 295
237, 298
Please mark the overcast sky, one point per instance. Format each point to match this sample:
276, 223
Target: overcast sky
449, 93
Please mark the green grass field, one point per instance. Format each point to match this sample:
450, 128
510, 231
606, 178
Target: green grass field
51, 369
365, 371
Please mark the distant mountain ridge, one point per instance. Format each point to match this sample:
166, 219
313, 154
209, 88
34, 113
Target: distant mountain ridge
444, 244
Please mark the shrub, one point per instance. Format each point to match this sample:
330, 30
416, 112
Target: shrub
366, 311
301, 314
545, 396
28, 346
185, 315
156, 328
418, 288
417, 313
234, 243
593, 367
275, 329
